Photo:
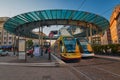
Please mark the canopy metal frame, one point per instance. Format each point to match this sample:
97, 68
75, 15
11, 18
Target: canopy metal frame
23, 24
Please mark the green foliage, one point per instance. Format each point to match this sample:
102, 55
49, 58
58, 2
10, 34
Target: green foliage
29, 43
100, 49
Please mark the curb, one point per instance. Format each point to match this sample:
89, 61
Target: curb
108, 57
59, 61
51, 64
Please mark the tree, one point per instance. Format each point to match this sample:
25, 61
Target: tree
29, 43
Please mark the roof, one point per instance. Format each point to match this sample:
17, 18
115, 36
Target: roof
2, 19
23, 24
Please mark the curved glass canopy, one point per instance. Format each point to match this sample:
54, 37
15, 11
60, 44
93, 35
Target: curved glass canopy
16, 23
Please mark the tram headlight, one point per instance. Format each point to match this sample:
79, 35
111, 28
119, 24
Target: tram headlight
65, 54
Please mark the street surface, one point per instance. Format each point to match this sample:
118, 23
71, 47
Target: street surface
86, 69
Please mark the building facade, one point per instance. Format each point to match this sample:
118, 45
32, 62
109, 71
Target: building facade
106, 38
36, 41
6, 39
115, 25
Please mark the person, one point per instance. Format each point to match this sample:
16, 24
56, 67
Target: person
32, 53
46, 50
49, 55
37, 51
41, 51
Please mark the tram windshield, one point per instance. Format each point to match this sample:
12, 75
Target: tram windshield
70, 44
84, 43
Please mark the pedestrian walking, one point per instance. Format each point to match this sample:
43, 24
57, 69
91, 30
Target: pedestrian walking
46, 50
41, 51
49, 53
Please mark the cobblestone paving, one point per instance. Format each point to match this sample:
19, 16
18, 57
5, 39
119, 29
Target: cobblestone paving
98, 69
35, 73
86, 69
14, 59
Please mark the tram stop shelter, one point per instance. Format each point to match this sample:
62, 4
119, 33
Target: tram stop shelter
23, 24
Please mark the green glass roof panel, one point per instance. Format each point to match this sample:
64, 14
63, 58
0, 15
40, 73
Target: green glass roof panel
35, 16
41, 16
68, 14
80, 15
30, 17
58, 14
19, 20
75, 15
23, 18
84, 18
54, 12
63, 14
89, 19
48, 12
44, 14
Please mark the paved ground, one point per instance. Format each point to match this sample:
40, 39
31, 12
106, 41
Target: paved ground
97, 69
14, 59
86, 69
35, 73
108, 57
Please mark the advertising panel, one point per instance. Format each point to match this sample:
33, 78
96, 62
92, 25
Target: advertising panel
21, 48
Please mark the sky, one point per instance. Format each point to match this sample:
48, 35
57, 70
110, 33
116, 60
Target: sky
10, 8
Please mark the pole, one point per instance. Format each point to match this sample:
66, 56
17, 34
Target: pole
91, 34
49, 52
87, 33
39, 40
41, 36
14, 44
18, 46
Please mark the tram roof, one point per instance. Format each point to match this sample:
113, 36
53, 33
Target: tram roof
12, 24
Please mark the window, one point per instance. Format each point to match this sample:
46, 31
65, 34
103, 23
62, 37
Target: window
5, 33
5, 38
10, 42
10, 38
4, 42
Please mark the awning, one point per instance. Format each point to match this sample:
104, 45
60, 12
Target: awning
10, 46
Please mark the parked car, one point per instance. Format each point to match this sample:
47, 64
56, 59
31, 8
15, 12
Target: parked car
29, 52
3, 53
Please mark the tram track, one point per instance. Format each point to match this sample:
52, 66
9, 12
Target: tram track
93, 72
77, 73
98, 74
106, 71
90, 69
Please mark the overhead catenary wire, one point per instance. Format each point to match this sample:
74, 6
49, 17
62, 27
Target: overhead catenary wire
81, 4
107, 10
118, 2
72, 14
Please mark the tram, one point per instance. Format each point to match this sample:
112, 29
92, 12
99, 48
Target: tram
85, 48
67, 48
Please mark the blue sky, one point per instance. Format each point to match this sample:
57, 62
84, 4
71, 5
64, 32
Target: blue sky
10, 8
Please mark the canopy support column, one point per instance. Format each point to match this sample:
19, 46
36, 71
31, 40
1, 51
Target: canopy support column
39, 36
14, 44
90, 33
41, 40
87, 35
42, 36
18, 45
